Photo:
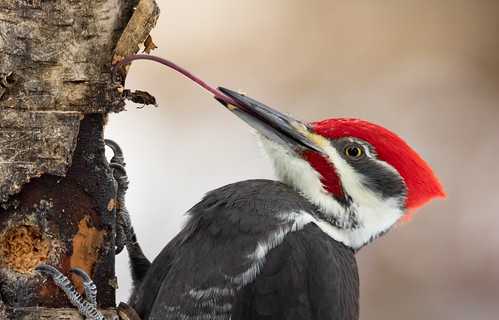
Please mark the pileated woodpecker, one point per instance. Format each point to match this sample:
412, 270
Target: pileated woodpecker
262, 249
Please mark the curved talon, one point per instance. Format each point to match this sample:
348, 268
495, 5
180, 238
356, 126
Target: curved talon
45, 268
119, 174
124, 229
88, 285
82, 274
124, 234
118, 167
120, 239
87, 308
118, 153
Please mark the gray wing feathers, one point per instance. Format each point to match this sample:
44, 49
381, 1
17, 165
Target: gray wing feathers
221, 249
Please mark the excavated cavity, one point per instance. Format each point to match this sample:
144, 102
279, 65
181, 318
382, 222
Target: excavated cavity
23, 247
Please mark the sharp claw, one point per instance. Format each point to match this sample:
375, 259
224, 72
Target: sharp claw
85, 307
118, 249
45, 268
118, 153
125, 235
120, 237
118, 168
123, 223
82, 274
88, 285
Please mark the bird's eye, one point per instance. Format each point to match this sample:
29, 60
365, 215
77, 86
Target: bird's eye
353, 151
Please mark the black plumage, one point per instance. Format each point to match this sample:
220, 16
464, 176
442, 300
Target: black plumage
245, 254
308, 276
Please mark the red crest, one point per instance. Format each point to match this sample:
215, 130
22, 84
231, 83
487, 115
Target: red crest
418, 176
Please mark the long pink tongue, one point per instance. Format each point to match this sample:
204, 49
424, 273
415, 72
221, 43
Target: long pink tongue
204, 85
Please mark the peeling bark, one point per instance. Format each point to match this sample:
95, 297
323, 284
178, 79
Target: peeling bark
55, 183
72, 215
34, 143
55, 62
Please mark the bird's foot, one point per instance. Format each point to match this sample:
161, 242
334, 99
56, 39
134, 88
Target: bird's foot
117, 152
86, 306
125, 235
124, 230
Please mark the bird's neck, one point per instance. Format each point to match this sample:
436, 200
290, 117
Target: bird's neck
354, 221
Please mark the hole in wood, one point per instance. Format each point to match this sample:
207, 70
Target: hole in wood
24, 247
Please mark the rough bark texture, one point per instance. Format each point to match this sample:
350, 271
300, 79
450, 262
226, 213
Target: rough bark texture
57, 192
34, 143
51, 314
74, 224
62, 221
56, 54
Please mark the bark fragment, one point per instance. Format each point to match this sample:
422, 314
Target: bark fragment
34, 143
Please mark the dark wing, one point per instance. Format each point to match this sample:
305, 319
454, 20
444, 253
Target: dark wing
308, 276
221, 249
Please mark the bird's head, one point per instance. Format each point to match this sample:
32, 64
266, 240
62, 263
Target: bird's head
362, 177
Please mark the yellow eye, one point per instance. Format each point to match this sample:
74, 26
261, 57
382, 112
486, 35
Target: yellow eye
353, 151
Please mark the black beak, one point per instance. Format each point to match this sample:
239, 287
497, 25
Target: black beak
271, 123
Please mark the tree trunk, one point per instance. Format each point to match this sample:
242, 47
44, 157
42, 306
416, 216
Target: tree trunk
56, 189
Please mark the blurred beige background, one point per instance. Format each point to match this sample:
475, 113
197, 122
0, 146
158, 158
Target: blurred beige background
427, 70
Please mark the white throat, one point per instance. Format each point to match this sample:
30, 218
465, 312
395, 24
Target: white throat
367, 217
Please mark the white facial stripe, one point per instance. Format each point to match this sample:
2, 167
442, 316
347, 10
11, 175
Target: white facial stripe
351, 180
299, 174
373, 214
367, 151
